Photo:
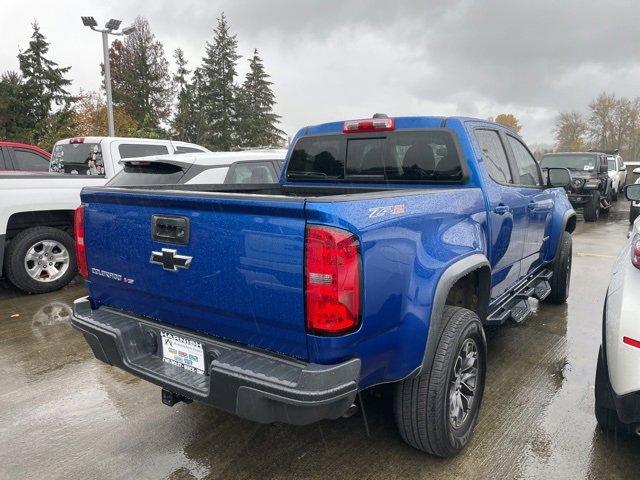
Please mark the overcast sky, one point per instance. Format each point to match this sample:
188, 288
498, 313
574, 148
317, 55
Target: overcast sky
332, 60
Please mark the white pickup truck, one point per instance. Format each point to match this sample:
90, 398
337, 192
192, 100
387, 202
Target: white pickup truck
36, 209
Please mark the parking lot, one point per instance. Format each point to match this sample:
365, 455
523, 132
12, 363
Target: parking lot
64, 414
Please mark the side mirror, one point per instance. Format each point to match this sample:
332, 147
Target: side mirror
604, 168
633, 192
558, 177
623, 168
636, 171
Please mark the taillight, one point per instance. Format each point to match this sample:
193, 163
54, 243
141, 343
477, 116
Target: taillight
635, 251
631, 341
81, 251
332, 280
369, 125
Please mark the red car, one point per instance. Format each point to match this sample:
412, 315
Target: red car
23, 158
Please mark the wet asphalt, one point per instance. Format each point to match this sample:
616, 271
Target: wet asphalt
64, 414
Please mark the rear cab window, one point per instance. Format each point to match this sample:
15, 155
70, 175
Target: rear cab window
77, 159
135, 150
414, 156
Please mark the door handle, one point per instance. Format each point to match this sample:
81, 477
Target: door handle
532, 206
501, 209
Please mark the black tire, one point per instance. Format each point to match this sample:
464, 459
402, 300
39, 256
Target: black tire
633, 213
614, 195
592, 208
15, 268
422, 406
561, 278
604, 406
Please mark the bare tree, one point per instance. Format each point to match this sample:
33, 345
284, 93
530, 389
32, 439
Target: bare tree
601, 121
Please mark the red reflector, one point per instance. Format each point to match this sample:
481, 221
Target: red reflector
332, 280
81, 251
635, 251
76, 140
631, 341
368, 125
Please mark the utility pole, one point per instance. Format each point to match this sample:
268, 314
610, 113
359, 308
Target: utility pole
110, 27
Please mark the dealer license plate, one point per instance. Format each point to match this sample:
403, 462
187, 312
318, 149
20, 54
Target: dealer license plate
182, 352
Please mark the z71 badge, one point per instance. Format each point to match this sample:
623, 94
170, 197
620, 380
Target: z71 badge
377, 212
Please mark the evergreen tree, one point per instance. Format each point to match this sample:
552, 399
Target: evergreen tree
217, 90
13, 113
184, 125
140, 77
257, 120
44, 84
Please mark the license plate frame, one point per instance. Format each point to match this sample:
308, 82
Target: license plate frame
183, 352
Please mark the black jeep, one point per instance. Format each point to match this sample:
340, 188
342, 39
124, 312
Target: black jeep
590, 188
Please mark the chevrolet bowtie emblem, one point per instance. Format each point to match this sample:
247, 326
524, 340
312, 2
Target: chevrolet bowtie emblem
170, 260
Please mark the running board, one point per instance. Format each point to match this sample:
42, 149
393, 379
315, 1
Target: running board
516, 305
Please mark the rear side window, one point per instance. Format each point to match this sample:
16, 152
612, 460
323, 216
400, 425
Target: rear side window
528, 173
401, 156
30, 161
139, 174
134, 150
180, 150
494, 156
251, 173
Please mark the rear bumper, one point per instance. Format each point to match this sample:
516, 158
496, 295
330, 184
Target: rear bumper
256, 385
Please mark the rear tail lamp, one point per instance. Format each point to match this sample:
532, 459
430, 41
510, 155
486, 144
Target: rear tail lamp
332, 280
631, 341
368, 125
635, 251
81, 251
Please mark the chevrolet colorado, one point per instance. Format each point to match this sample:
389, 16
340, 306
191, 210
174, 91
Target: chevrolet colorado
386, 248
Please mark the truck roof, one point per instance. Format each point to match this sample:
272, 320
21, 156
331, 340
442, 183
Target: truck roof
406, 122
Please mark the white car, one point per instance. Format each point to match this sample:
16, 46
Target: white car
36, 209
617, 174
617, 387
634, 208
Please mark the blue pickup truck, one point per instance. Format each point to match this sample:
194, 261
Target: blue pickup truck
386, 248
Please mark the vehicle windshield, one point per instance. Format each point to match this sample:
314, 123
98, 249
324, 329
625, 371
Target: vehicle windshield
77, 159
612, 164
570, 161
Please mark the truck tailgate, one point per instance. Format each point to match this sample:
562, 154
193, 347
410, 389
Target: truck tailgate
244, 281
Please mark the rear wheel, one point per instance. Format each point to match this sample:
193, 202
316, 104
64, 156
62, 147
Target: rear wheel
592, 208
561, 278
436, 410
41, 260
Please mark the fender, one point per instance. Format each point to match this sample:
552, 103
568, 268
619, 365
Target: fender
2, 245
448, 278
554, 245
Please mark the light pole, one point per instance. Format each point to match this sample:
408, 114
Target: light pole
110, 27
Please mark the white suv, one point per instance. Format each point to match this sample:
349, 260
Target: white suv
617, 174
617, 388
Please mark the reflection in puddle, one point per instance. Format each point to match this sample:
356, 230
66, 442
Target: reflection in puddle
51, 314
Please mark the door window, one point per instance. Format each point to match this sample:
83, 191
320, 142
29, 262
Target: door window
528, 172
30, 161
495, 158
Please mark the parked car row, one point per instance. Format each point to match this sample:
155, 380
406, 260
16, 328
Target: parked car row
37, 252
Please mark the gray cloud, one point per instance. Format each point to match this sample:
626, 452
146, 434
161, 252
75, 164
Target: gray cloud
341, 59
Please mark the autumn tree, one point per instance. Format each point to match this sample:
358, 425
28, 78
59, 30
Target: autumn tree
140, 77
570, 132
510, 121
91, 118
601, 122
257, 122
